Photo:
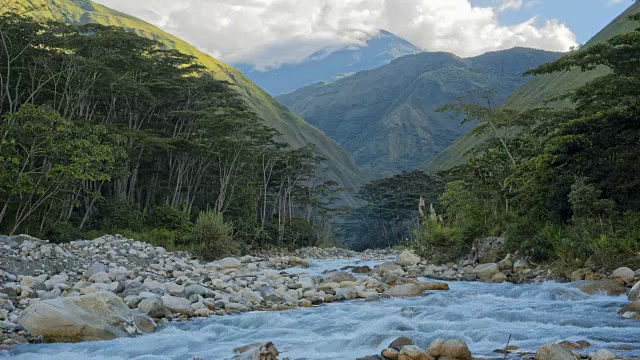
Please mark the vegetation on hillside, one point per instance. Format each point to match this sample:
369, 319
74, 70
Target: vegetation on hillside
292, 129
108, 131
564, 189
385, 118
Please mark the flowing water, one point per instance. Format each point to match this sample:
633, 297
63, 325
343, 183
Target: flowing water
483, 315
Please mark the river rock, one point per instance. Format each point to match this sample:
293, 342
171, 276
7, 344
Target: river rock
300, 262
337, 277
520, 265
151, 306
412, 352
387, 267
631, 311
97, 316
408, 259
610, 287
486, 271
230, 263
435, 349
456, 349
499, 278
177, 305
634, 294
398, 343
406, 290
506, 264
604, 354
554, 352
624, 275
95, 268
433, 286
487, 249
390, 354
265, 352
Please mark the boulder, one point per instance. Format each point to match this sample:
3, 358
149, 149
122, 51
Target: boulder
554, 352
435, 349
610, 287
604, 354
631, 311
390, 354
299, 262
398, 343
100, 277
337, 277
412, 352
499, 278
433, 286
408, 259
387, 267
624, 275
506, 264
406, 290
520, 265
97, 316
230, 263
361, 270
177, 305
456, 349
634, 294
486, 250
95, 268
151, 306
486, 271
265, 352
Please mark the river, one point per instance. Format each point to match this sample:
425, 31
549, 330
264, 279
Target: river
483, 315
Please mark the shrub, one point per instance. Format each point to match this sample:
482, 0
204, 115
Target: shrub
213, 238
166, 217
64, 232
116, 216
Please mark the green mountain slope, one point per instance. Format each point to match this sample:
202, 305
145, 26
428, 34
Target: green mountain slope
537, 92
385, 118
295, 130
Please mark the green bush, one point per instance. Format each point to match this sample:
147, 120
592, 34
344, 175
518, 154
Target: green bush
213, 238
169, 239
166, 217
63, 232
116, 216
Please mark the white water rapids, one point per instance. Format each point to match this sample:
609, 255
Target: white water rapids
483, 315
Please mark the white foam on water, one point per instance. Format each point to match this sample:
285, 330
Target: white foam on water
483, 315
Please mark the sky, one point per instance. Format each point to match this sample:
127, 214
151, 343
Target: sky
269, 33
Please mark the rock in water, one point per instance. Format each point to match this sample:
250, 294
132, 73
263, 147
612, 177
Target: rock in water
412, 352
338, 277
610, 287
265, 352
456, 349
624, 275
486, 271
406, 290
634, 294
408, 259
296, 261
97, 316
400, 342
604, 354
554, 352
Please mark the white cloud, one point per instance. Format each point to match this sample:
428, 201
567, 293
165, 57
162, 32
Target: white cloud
268, 33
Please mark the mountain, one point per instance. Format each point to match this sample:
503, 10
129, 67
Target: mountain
386, 118
326, 65
537, 91
294, 130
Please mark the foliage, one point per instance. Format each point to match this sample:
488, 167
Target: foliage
564, 187
213, 238
105, 130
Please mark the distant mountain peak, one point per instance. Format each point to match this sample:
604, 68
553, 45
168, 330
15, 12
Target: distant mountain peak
328, 64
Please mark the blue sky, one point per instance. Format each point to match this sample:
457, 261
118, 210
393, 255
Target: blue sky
584, 17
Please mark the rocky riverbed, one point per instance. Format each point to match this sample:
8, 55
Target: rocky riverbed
116, 287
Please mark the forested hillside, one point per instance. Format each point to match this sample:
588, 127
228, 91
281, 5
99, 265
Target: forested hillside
386, 118
106, 131
563, 188
293, 130
537, 92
